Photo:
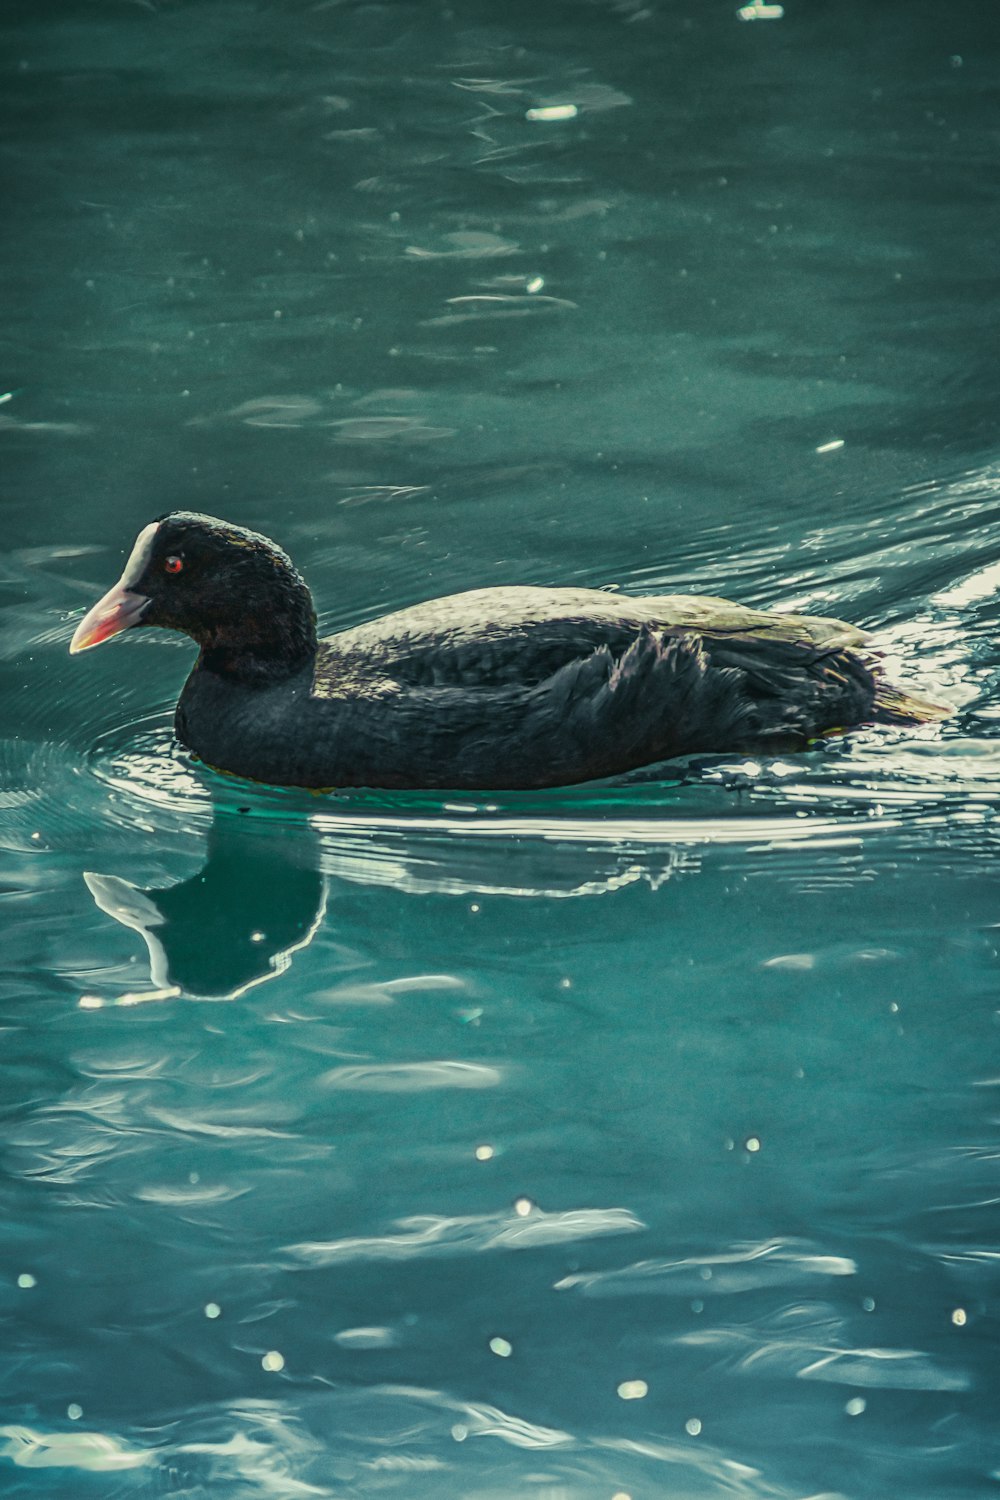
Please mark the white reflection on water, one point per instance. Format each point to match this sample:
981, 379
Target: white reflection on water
984, 583
424, 1234
780, 1354
398, 1078
774, 1263
94, 1452
366, 1338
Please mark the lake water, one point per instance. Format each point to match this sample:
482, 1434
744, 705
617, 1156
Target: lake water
625, 1141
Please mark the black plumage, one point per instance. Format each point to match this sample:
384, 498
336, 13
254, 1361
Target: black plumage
495, 688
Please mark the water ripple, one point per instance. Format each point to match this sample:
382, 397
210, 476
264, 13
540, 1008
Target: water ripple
428, 1234
480, 1420
759, 1351
407, 1078
773, 1263
93, 1452
188, 1124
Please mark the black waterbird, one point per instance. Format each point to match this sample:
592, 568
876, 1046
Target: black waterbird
495, 688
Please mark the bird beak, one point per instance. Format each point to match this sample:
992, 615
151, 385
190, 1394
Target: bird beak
121, 606
117, 611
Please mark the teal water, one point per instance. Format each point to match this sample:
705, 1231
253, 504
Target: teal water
626, 1141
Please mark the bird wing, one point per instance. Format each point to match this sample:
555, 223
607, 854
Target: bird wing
520, 637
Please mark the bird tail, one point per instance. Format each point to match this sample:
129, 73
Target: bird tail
896, 705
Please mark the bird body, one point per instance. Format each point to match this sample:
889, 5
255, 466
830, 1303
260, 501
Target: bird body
510, 687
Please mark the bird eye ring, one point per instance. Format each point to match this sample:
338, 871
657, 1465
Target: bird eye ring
173, 565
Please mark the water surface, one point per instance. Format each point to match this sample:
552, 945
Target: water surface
627, 1140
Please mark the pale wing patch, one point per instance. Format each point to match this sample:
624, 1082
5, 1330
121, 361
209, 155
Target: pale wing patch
333, 683
703, 612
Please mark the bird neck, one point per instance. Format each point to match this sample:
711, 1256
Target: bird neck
263, 648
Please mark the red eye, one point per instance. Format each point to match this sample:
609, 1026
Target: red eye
173, 565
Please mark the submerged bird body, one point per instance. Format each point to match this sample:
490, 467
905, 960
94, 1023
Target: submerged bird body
496, 688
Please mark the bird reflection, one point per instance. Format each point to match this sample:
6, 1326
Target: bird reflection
262, 892
234, 924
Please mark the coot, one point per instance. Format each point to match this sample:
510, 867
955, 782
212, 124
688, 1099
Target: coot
495, 688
